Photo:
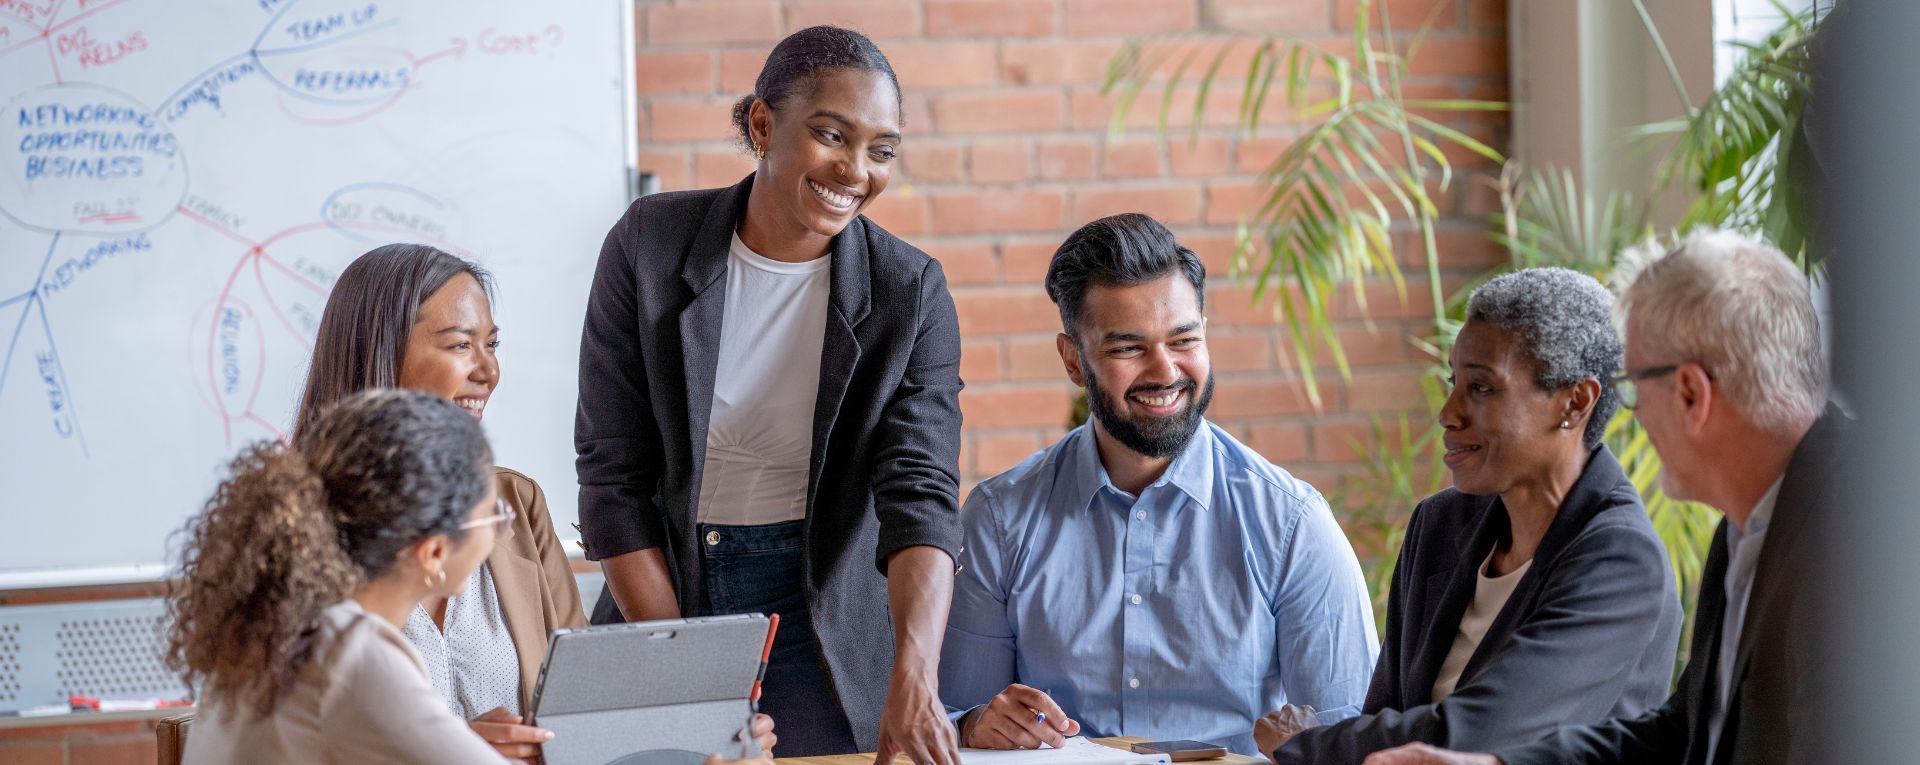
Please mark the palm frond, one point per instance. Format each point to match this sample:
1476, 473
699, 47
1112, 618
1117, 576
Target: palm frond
1369, 166
1546, 221
1402, 467
1735, 151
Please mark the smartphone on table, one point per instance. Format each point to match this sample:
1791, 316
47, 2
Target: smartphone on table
1182, 750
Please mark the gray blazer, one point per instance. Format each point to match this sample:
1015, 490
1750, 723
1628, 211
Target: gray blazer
1589, 632
886, 431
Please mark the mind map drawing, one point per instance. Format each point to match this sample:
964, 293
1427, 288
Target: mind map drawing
102, 168
182, 182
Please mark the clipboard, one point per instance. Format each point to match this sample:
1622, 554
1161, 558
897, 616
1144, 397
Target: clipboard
665, 692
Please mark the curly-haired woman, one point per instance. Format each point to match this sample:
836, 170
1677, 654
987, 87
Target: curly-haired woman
299, 573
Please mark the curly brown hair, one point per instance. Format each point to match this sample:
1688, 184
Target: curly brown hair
295, 529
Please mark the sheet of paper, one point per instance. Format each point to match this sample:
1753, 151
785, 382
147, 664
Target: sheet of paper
1078, 751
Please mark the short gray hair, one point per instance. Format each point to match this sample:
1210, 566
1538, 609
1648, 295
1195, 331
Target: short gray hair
1563, 320
1740, 308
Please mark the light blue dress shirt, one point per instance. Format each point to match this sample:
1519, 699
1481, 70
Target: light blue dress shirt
1743, 554
1223, 591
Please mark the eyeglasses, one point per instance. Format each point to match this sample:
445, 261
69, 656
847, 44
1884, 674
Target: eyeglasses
502, 518
1625, 384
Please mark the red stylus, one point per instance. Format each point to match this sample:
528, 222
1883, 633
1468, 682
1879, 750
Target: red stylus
773, 626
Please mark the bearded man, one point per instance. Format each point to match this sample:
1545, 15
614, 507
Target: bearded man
1148, 574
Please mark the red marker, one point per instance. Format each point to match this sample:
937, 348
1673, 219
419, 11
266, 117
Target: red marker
79, 702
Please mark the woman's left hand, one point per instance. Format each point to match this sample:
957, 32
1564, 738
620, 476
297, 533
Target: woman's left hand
503, 731
1275, 729
915, 723
762, 732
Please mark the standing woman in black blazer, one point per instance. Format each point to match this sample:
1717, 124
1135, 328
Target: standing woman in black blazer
769, 411
1534, 593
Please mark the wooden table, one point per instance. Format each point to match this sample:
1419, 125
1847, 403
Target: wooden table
1117, 742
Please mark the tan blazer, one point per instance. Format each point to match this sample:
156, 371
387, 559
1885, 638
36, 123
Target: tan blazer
532, 576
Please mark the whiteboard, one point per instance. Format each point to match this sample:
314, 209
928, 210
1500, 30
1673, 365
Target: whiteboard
180, 184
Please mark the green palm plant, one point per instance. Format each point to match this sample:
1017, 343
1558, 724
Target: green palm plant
1370, 163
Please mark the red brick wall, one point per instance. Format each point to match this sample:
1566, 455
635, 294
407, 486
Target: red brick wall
121, 742
1007, 152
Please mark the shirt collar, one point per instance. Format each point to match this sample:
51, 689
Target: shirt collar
1191, 471
1762, 514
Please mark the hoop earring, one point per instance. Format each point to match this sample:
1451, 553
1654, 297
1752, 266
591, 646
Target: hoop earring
759, 153
437, 579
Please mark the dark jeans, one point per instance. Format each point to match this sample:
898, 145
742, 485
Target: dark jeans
758, 569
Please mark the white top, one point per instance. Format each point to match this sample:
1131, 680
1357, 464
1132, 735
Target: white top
471, 660
1743, 551
1490, 594
760, 435
364, 698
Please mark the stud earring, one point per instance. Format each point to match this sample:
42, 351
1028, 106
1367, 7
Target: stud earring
759, 153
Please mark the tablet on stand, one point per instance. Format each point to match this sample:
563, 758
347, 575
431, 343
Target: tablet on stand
651, 693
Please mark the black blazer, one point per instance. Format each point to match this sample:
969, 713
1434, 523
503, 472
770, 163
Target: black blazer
1776, 692
1589, 633
886, 431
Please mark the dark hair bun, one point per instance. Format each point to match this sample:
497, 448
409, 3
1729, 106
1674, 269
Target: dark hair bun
798, 62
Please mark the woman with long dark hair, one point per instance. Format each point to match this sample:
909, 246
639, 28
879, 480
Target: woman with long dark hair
297, 577
413, 316
769, 410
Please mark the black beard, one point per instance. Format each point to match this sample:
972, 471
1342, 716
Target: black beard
1155, 437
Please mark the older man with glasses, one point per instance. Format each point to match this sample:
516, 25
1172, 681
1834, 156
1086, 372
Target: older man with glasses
1724, 372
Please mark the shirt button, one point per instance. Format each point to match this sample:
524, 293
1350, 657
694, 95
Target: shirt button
1140, 516
1134, 683
1134, 600
713, 538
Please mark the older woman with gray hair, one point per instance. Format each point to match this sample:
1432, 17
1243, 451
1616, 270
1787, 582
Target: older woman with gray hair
1534, 593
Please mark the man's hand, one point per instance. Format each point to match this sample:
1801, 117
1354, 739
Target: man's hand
1277, 728
502, 730
915, 724
1011, 721
1421, 754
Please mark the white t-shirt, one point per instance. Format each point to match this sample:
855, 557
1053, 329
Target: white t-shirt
1490, 594
760, 435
